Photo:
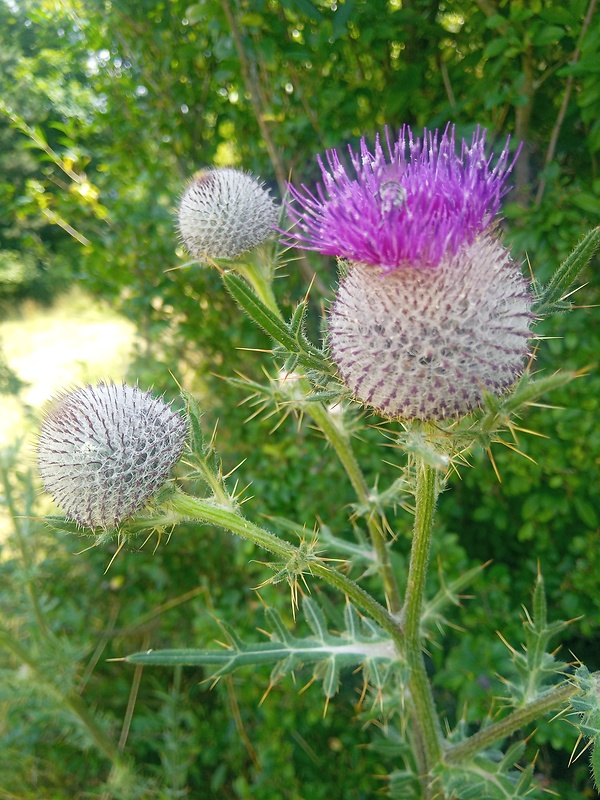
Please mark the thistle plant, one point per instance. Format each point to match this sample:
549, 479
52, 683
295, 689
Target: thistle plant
432, 327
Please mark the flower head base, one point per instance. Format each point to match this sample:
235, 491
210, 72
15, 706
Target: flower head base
104, 452
223, 213
401, 211
427, 344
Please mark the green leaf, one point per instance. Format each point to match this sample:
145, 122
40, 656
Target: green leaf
448, 594
548, 34
305, 7
289, 336
315, 618
351, 620
195, 13
297, 320
587, 706
196, 437
496, 21
328, 652
251, 20
342, 15
587, 201
564, 277
496, 47
331, 678
488, 777
540, 606
528, 390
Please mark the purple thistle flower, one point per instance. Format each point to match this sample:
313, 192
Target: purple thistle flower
105, 451
401, 211
431, 312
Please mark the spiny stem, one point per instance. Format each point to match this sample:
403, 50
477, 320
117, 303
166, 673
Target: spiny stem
207, 511
423, 710
259, 280
343, 448
549, 701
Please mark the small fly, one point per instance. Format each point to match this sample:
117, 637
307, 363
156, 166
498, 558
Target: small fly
393, 195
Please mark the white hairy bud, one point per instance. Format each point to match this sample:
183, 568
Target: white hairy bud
104, 451
224, 213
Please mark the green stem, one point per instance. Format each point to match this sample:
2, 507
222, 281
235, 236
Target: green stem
258, 276
207, 511
261, 280
549, 701
338, 439
423, 710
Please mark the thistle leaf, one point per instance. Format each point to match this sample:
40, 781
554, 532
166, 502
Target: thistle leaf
551, 298
359, 645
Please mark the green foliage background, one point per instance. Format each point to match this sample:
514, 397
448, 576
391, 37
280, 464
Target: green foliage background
108, 108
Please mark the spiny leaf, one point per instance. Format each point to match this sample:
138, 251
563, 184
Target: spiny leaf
550, 297
488, 777
328, 652
289, 336
587, 705
315, 618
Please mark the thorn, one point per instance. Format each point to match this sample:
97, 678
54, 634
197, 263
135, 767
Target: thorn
510, 647
81, 552
310, 285
213, 263
266, 694
529, 267
254, 350
117, 551
307, 685
179, 266
532, 433
581, 752
179, 386
516, 450
234, 469
493, 463
572, 292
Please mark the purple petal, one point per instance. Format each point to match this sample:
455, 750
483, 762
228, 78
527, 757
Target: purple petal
409, 206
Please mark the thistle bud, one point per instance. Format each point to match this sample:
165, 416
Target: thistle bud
224, 213
105, 451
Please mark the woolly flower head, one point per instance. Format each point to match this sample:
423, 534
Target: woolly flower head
223, 213
432, 311
104, 451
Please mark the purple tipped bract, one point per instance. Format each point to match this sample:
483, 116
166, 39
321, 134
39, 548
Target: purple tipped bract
409, 205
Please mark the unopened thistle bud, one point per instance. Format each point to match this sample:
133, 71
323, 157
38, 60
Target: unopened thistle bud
224, 213
105, 451
432, 312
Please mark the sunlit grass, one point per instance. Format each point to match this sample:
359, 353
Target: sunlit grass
75, 341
